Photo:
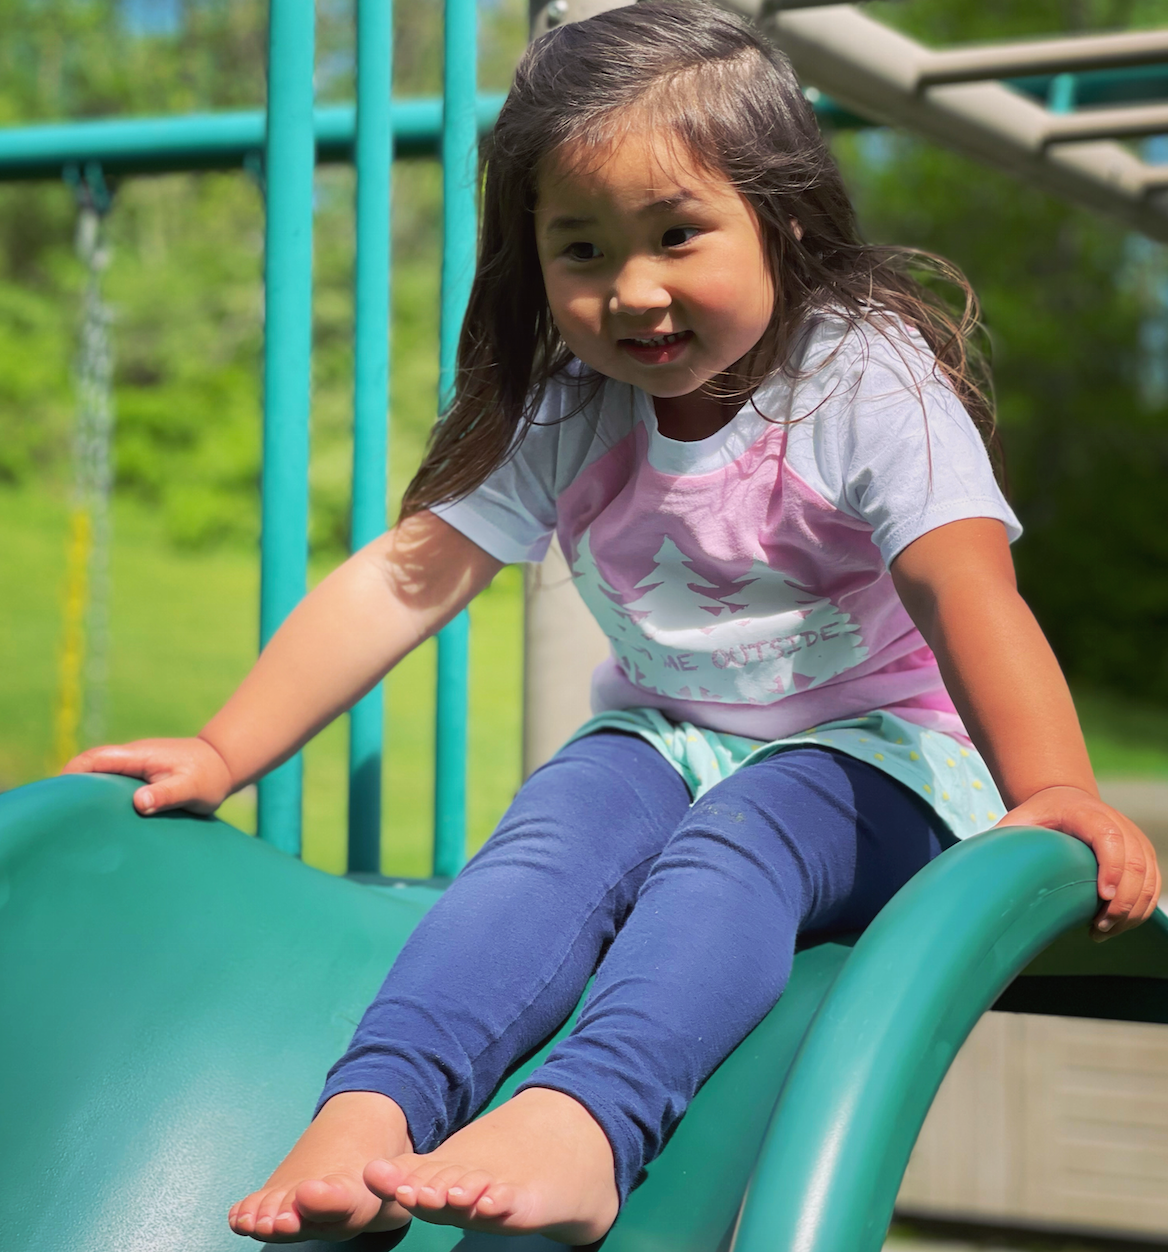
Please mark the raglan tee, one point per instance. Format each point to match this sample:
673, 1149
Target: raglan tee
743, 579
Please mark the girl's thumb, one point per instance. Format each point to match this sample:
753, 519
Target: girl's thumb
158, 796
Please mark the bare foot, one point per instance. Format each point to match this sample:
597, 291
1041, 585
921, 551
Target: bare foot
317, 1192
539, 1164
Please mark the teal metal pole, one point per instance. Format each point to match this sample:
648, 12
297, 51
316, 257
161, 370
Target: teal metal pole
1060, 97
459, 177
374, 158
287, 347
209, 141
450, 753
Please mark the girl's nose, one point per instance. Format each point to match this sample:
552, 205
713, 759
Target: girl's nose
637, 290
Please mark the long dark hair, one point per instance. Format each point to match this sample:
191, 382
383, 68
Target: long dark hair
711, 82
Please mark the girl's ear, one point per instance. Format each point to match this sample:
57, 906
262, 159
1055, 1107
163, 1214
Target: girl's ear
796, 228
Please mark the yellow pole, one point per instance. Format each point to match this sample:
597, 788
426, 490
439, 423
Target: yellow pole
69, 693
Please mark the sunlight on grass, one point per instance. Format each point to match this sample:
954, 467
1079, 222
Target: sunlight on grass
183, 631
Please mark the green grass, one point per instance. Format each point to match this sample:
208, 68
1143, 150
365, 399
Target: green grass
183, 632
1126, 739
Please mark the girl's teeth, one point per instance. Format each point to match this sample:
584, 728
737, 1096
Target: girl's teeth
658, 340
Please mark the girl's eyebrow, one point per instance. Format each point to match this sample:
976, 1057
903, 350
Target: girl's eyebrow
683, 199
568, 223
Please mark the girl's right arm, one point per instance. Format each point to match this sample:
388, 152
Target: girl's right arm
341, 639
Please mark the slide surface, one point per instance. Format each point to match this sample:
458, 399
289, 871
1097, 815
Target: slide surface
173, 993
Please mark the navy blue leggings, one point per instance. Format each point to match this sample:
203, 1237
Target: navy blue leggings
686, 914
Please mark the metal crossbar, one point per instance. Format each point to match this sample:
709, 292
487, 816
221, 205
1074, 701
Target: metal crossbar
215, 141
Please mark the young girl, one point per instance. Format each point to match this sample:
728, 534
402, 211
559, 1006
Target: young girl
756, 439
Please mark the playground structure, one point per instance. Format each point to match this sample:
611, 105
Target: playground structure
152, 1096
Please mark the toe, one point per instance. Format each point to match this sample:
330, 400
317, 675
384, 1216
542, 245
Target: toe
333, 1198
406, 1193
497, 1202
286, 1222
272, 1204
416, 1173
432, 1193
243, 1213
384, 1177
465, 1192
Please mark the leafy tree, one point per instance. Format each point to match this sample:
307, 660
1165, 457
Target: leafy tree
1086, 454
185, 282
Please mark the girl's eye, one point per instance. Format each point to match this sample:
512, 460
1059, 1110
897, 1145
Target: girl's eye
675, 236
581, 251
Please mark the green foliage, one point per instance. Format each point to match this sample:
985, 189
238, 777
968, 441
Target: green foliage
35, 396
943, 22
185, 287
185, 283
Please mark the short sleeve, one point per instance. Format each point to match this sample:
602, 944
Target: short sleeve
512, 514
907, 456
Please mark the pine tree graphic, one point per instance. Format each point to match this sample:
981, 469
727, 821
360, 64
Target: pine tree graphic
668, 602
603, 601
746, 640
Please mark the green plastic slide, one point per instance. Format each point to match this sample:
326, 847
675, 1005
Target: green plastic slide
173, 993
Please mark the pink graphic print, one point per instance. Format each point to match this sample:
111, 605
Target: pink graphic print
712, 587
777, 640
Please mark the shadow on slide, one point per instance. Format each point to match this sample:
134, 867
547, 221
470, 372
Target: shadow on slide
173, 993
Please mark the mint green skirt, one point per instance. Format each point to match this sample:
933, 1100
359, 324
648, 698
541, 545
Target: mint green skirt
950, 777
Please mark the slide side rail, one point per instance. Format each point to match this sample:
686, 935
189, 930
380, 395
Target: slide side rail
870, 1065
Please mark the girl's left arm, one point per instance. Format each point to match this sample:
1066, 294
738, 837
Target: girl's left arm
957, 583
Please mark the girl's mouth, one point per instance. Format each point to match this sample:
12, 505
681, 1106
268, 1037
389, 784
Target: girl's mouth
656, 349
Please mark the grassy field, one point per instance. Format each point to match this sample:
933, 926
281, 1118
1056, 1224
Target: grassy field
183, 631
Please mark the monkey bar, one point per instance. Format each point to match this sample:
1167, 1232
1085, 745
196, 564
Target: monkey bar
213, 141
956, 96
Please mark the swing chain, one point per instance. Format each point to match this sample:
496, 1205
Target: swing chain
84, 663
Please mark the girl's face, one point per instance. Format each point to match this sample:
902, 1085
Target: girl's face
654, 270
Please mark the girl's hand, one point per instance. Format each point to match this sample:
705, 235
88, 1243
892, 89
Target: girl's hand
957, 583
179, 773
1129, 878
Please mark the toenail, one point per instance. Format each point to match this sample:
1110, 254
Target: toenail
456, 1191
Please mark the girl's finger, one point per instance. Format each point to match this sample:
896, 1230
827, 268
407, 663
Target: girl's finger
168, 793
1126, 907
96, 761
1110, 848
123, 758
1148, 898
